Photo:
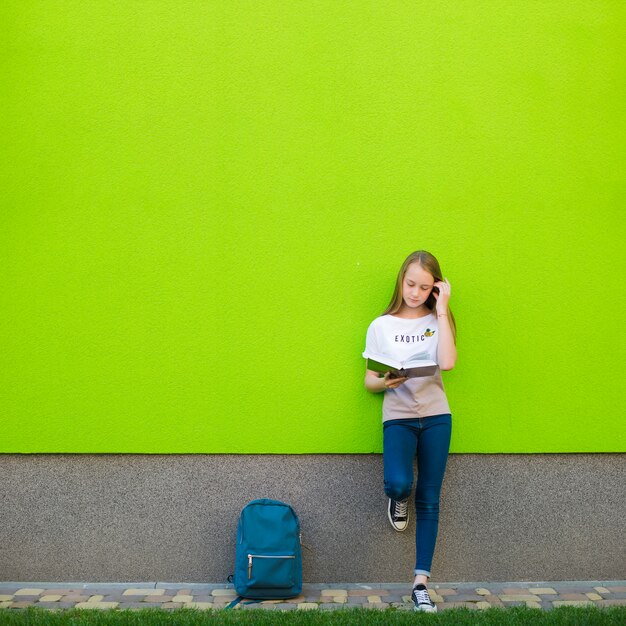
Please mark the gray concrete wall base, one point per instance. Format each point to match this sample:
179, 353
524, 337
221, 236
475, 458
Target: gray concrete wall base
106, 518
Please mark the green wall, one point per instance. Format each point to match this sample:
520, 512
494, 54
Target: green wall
205, 204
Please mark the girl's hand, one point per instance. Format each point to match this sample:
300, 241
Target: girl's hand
442, 295
393, 383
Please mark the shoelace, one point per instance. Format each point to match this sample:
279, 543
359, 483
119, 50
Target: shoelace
422, 596
400, 508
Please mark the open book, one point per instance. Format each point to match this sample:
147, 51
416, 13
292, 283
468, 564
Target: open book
416, 365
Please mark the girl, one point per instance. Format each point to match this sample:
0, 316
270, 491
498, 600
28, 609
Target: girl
416, 414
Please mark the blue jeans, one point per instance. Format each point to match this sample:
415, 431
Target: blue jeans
429, 438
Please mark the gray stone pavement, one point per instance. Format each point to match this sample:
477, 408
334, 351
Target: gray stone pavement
169, 596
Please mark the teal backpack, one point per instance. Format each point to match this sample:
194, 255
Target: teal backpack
268, 557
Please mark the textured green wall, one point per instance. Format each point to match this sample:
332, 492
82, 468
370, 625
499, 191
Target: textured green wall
204, 204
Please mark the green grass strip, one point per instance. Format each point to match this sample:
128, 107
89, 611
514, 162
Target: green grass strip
514, 616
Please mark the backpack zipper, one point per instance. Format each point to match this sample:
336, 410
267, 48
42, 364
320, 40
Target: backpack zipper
264, 556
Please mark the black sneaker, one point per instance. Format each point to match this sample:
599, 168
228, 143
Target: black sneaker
422, 600
398, 513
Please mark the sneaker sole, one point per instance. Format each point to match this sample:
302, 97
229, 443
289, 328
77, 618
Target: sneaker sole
425, 610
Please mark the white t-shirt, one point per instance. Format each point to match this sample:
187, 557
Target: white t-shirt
401, 338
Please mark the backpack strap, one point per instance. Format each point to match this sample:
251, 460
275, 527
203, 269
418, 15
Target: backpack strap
237, 600
234, 603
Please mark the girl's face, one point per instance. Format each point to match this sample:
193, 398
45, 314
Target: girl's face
416, 286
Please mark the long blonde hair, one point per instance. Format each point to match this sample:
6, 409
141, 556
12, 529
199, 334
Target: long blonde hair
429, 263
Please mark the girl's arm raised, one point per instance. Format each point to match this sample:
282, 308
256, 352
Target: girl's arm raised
446, 350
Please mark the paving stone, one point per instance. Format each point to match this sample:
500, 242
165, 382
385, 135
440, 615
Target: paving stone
361, 592
514, 591
231, 593
6, 598
481, 591
545, 605
287, 606
182, 598
50, 598
172, 605
28, 591
517, 597
572, 603
55, 606
483, 605
594, 596
334, 592
611, 602
493, 600
533, 605
144, 592
33, 598
469, 598
158, 598
542, 591
330, 606
96, 598
96, 605
602, 590
376, 605
357, 600
395, 599
445, 591
6, 604
115, 598
372, 599
573, 596
22, 604
201, 605
456, 605
616, 589
307, 606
